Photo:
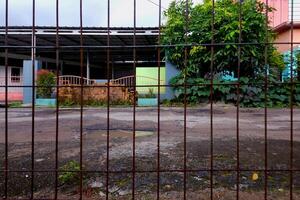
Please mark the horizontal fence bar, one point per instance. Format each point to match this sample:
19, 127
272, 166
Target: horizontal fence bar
154, 171
138, 46
160, 85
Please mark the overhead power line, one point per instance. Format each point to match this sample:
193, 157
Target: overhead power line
154, 3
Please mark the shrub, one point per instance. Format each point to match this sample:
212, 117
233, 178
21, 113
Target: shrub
93, 103
45, 81
150, 94
251, 92
70, 174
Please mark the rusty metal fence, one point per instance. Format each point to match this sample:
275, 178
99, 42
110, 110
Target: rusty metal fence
6, 47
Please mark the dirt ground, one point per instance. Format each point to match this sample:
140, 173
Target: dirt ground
198, 150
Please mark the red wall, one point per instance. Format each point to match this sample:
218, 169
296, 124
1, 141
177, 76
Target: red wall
12, 96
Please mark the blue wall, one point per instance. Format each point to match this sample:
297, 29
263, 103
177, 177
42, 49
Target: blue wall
27, 80
171, 71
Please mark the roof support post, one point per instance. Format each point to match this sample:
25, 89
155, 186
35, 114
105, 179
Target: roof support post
88, 66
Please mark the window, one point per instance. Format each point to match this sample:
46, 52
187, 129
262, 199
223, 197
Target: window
15, 75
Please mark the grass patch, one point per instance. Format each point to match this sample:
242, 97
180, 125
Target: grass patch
16, 104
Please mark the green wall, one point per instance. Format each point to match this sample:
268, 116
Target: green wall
148, 76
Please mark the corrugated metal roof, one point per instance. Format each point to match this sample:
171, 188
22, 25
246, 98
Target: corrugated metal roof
94, 40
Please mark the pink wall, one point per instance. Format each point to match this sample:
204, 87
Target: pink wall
281, 14
285, 36
12, 96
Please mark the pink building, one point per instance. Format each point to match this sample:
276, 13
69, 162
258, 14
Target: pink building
283, 11
281, 20
281, 15
14, 80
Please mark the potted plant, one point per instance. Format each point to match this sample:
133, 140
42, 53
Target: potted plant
148, 99
45, 82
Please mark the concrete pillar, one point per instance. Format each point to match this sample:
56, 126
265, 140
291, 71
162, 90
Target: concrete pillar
171, 71
27, 80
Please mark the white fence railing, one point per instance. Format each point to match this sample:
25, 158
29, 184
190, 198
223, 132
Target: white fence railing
125, 81
142, 80
75, 80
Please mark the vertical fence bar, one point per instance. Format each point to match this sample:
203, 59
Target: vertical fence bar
81, 99
266, 68
238, 106
108, 98
6, 103
211, 99
185, 96
158, 104
291, 103
134, 102
33, 53
57, 98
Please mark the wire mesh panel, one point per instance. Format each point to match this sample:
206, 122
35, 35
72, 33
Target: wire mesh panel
200, 106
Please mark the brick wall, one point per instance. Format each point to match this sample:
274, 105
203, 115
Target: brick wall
95, 93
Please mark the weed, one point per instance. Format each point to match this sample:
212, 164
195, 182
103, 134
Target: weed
70, 174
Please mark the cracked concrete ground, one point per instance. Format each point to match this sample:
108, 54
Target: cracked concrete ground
252, 148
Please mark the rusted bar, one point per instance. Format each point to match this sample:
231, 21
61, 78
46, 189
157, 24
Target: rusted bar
266, 107
33, 52
162, 170
134, 103
144, 46
238, 107
108, 99
158, 105
81, 102
156, 85
291, 104
57, 99
211, 100
185, 97
6, 104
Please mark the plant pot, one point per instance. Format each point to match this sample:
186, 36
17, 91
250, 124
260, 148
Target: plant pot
147, 102
45, 102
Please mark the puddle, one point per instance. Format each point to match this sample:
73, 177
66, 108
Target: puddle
143, 133
121, 133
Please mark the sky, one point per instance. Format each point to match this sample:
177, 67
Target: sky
94, 12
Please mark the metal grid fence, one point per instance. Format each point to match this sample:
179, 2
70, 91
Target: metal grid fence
237, 169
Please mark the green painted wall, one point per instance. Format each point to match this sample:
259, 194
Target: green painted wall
148, 76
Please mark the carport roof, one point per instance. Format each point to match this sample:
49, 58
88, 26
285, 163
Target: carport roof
94, 39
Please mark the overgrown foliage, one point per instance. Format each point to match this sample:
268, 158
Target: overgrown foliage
93, 103
45, 82
226, 29
232, 22
251, 92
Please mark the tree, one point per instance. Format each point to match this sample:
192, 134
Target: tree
254, 33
